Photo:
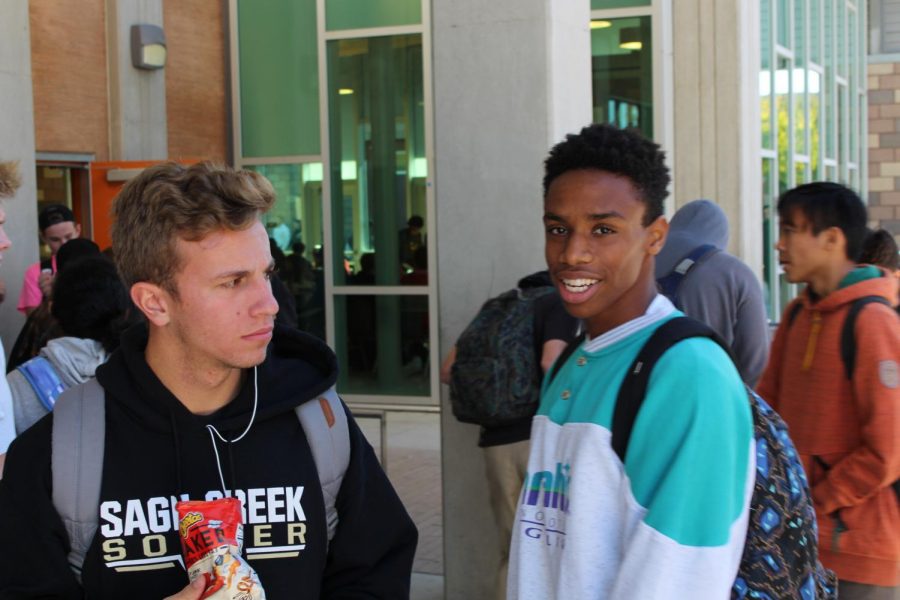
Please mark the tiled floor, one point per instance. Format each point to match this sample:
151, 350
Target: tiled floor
414, 466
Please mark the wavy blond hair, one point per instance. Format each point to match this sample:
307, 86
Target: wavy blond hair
168, 202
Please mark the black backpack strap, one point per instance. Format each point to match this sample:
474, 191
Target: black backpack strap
795, 310
634, 386
848, 336
564, 356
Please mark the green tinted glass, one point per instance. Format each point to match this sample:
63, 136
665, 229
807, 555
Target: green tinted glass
607, 4
382, 344
353, 14
622, 72
379, 168
294, 225
279, 78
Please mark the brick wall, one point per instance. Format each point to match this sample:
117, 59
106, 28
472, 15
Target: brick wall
884, 146
68, 67
195, 79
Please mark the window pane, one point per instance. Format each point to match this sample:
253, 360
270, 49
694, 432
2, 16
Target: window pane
840, 10
378, 163
800, 30
622, 73
769, 261
382, 345
782, 106
606, 4
799, 85
278, 54
815, 27
782, 21
353, 14
815, 124
295, 226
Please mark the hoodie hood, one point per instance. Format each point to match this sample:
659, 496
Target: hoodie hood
75, 359
869, 281
298, 367
694, 224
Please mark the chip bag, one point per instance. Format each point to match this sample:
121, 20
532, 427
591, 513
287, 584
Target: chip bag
212, 535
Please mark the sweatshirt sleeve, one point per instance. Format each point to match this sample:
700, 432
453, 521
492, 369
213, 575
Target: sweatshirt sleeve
38, 567
770, 382
875, 463
691, 468
372, 552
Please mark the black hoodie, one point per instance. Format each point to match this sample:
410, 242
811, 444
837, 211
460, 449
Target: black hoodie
157, 452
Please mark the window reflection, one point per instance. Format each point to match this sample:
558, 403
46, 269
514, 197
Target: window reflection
294, 226
379, 167
622, 73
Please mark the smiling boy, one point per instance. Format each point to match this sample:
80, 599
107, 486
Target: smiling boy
844, 422
670, 521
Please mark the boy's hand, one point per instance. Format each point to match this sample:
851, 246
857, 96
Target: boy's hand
45, 282
192, 591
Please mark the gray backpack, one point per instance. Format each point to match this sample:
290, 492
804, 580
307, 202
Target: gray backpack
78, 439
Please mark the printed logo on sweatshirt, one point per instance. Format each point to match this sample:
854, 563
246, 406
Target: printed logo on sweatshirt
889, 374
138, 533
544, 505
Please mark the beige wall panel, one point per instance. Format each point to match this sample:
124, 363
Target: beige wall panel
195, 79
687, 116
68, 62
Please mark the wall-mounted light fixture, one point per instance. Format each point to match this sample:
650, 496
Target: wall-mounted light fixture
630, 38
148, 47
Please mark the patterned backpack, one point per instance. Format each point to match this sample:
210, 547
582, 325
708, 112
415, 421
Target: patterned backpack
780, 559
496, 378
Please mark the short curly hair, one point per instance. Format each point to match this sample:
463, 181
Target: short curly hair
167, 202
622, 152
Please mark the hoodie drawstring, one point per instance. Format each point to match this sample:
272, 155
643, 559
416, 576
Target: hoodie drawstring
813, 340
212, 430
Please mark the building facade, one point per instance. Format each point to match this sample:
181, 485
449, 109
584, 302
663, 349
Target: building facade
405, 140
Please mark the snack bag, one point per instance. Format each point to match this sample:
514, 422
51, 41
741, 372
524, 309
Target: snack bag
212, 535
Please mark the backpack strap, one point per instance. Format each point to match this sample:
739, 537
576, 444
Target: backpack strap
795, 310
40, 374
848, 337
325, 425
634, 386
669, 283
77, 447
78, 441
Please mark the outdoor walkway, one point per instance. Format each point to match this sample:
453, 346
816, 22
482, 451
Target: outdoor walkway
414, 467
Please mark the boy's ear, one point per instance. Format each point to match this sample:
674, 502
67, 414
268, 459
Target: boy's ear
153, 301
656, 235
835, 240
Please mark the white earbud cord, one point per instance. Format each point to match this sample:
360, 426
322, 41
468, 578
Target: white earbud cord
212, 430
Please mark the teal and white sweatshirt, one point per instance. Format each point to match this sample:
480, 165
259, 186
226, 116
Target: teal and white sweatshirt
669, 523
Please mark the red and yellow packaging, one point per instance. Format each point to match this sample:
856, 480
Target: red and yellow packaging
212, 535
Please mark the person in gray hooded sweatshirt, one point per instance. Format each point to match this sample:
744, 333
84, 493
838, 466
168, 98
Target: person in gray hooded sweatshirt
92, 309
714, 286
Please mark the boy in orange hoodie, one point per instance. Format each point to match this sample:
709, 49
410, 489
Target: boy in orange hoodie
847, 430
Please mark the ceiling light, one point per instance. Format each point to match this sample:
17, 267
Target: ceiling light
345, 91
599, 24
630, 38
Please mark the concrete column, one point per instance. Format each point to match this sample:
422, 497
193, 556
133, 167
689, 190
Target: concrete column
17, 135
716, 115
511, 78
137, 97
